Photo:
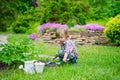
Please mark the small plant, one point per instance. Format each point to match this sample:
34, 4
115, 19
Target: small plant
11, 53
70, 24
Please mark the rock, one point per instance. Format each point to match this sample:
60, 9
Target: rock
74, 36
74, 32
3, 39
79, 37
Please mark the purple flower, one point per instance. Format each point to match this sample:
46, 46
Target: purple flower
35, 3
94, 27
50, 26
33, 36
78, 26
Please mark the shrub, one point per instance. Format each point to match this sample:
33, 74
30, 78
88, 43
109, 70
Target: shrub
13, 52
27, 23
62, 12
70, 24
112, 30
20, 26
81, 19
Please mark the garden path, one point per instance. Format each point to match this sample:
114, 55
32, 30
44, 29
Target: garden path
3, 39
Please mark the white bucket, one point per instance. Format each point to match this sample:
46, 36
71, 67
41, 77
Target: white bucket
29, 67
39, 67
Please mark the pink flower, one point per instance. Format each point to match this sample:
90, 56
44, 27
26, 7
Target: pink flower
94, 27
33, 36
50, 25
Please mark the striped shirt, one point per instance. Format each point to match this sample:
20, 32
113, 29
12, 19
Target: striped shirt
69, 47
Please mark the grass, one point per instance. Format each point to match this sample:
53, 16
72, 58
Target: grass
94, 63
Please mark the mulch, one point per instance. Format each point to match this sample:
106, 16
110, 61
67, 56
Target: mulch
3, 66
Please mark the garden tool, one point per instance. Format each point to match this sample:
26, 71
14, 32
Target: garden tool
50, 61
59, 54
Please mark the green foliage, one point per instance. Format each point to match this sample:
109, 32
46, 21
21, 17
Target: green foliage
6, 15
102, 9
114, 8
94, 63
28, 22
62, 12
70, 24
81, 19
23, 16
112, 30
10, 10
21, 25
13, 52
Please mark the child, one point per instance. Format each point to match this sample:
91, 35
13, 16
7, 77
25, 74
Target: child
68, 49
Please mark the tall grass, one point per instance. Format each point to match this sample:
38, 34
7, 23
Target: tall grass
94, 63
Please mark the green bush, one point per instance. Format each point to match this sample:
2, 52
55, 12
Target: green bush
112, 30
28, 22
62, 12
70, 24
10, 12
13, 52
21, 25
81, 19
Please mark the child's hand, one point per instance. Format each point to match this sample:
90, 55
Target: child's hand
64, 60
65, 57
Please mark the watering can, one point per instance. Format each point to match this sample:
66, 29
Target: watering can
31, 67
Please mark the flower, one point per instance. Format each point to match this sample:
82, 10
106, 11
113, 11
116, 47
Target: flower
50, 25
33, 36
78, 26
35, 3
94, 27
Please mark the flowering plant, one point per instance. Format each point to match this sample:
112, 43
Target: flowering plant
33, 36
94, 27
78, 26
50, 25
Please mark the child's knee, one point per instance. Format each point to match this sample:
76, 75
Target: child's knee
73, 60
60, 53
71, 56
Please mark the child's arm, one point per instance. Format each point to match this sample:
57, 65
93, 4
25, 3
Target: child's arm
65, 57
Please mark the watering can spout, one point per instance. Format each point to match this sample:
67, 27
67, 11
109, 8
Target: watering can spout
21, 67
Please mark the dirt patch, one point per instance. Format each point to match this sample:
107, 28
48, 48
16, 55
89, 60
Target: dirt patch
3, 66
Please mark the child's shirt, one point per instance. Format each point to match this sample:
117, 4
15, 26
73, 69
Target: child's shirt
69, 47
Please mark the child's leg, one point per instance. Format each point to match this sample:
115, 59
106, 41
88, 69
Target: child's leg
72, 58
60, 54
73, 61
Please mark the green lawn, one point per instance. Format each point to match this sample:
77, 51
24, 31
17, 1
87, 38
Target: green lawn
94, 63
